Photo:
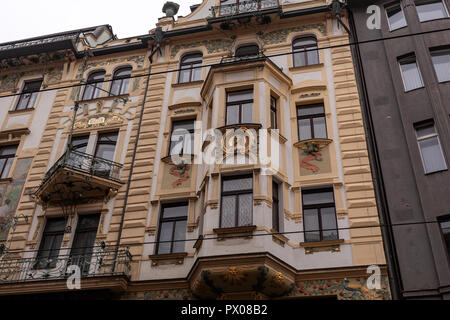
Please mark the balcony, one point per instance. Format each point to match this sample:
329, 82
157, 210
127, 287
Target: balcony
235, 8
99, 263
79, 174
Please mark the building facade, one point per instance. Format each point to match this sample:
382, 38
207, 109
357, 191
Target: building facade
404, 83
220, 156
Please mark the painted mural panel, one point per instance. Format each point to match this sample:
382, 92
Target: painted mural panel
10, 196
315, 160
177, 177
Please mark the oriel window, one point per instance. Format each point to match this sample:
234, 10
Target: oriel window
305, 51
430, 148
239, 107
29, 95
190, 68
121, 81
237, 202
94, 85
7, 154
311, 122
182, 138
172, 228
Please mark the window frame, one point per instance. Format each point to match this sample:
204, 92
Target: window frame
98, 143
311, 120
408, 60
276, 204
439, 52
424, 2
304, 49
32, 93
173, 219
236, 194
7, 157
319, 207
120, 79
191, 132
97, 86
441, 220
274, 112
430, 136
239, 103
53, 234
191, 66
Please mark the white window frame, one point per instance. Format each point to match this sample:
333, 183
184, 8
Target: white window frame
443, 3
387, 16
405, 61
430, 136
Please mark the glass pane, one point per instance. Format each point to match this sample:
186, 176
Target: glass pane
411, 76
8, 150
165, 234
188, 145
32, 86
7, 168
176, 145
115, 87
97, 90
55, 225
245, 210
197, 73
105, 151
186, 125
310, 110
247, 113
192, 59
441, 64
33, 99
251, 50
431, 11
318, 197
237, 184
23, 101
320, 128
426, 131
304, 42
273, 119
80, 143
88, 222
232, 115
125, 86
126, 72
88, 90
396, 18
2, 164
240, 96
328, 216
433, 159
313, 56
185, 75
304, 126
299, 59
180, 234
175, 211
311, 223
228, 215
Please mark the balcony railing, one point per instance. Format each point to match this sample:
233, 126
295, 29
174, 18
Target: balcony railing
87, 164
99, 263
241, 7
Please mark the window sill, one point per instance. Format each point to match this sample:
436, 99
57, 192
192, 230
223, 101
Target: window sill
187, 84
170, 258
430, 173
331, 245
21, 111
303, 68
235, 232
5, 181
198, 244
122, 96
279, 238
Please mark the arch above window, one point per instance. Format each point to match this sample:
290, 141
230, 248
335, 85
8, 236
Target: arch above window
94, 84
247, 50
121, 81
190, 68
305, 51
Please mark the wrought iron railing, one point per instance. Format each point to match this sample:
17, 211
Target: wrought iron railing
98, 263
88, 164
240, 7
250, 57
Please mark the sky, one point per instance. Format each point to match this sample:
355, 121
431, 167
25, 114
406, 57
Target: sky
21, 19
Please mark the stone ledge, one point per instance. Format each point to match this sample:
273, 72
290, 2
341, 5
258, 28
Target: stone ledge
171, 258
246, 231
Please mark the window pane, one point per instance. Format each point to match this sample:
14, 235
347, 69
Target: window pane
88, 90
304, 126
320, 128
185, 75
55, 225
426, 131
180, 234
165, 234
23, 101
240, 96
431, 10
318, 197
108, 137
411, 76
299, 59
308, 111
328, 216
105, 151
125, 86
192, 59
228, 216
80, 143
396, 18
273, 119
232, 115
33, 99
441, 64
237, 184
7, 168
245, 209
8, 150
115, 87
247, 113
251, 50
313, 56
445, 226
311, 223
197, 73
432, 156
175, 211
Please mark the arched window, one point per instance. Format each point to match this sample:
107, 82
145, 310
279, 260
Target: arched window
190, 68
92, 90
121, 81
246, 51
305, 51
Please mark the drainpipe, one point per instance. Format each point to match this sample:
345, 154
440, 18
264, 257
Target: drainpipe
159, 35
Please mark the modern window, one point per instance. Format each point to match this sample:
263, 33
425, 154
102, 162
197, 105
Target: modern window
50, 243
121, 81
273, 113
319, 215
412, 79
430, 148
190, 68
441, 63
239, 107
182, 138
80, 143
29, 95
275, 207
431, 10
7, 154
444, 223
94, 85
305, 51
83, 243
396, 17
237, 202
311, 122
249, 50
172, 228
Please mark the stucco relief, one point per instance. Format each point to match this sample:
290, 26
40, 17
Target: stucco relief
280, 36
11, 81
213, 46
139, 60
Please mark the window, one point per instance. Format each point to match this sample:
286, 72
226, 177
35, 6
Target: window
396, 17
50, 243
305, 52
80, 143
247, 51
190, 70
106, 146
273, 113
311, 122
182, 138
444, 223
412, 78
7, 154
83, 243
121, 81
239, 107
237, 202
29, 95
275, 207
172, 228
319, 215
430, 148
441, 63
92, 90
431, 10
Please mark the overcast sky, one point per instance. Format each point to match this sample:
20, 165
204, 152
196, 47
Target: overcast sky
22, 19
